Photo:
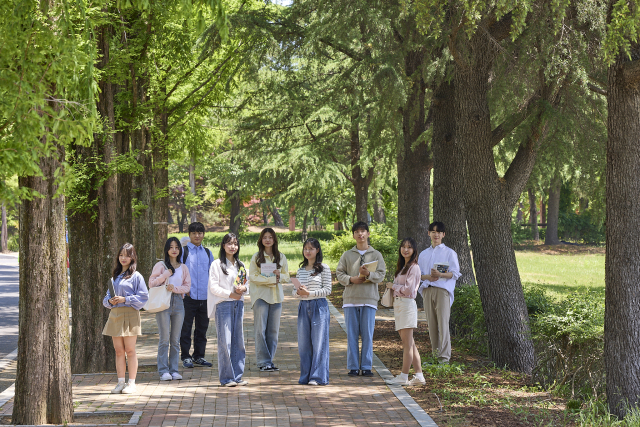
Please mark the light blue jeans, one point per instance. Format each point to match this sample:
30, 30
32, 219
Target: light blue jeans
231, 354
266, 324
360, 322
169, 328
313, 341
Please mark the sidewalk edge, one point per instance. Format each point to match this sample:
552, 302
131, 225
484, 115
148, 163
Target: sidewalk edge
405, 398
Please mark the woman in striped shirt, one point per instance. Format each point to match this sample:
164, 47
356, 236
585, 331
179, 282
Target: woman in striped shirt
314, 284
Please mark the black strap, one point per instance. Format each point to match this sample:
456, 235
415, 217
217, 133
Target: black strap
185, 254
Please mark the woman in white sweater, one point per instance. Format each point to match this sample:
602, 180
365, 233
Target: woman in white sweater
225, 302
312, 287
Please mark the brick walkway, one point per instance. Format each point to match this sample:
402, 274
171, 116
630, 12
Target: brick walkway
271, 399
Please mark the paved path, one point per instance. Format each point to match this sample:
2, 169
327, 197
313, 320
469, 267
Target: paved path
271, 399
9, 275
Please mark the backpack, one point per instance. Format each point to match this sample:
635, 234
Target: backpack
185, 254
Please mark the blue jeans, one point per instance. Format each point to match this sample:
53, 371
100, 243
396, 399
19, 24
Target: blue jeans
313, 341
169, 327
266, 324
360, 322
231, 352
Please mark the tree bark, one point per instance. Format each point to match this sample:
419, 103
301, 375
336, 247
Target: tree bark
543, 210
124, 182
161, 185
4, 247
143, 230
292, 218
265, 211
622, 267
360, 182
378, 209
553, 212
234, 219
192, 185
414, 160
304, 226
519, 213
277, 219
43, 389
488, 204
533, 214
92, 242
448, 181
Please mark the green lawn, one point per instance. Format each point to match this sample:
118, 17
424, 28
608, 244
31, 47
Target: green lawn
561, 274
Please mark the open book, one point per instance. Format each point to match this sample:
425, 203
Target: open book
442, 267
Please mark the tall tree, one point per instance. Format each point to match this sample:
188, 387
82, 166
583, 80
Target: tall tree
622, 268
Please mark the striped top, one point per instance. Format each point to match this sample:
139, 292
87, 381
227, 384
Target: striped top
319, 286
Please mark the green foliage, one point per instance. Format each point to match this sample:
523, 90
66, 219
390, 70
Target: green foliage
569, 342
13, 243
581, 228
442, 370
596, 414
467, 324
623, 29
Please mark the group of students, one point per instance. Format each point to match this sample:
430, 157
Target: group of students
204, 288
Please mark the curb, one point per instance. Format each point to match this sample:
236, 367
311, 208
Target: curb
405, 398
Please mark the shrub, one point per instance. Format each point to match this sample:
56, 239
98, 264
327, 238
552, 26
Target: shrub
569, 342
581, 228
13, 243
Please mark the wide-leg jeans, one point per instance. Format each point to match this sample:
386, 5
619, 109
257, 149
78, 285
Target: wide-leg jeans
231, 352
313, 341
169, 328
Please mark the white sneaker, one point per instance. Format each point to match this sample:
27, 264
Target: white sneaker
416, 381
129, 389
231, 384
312, 382
118, 388
176, 376
243, 382
166, 377
398, 381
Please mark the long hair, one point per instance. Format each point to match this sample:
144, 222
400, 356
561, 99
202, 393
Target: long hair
167, 259
317, 266
229, 237
130, 251
401, 268
276, 252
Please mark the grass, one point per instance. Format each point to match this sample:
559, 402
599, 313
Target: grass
561, 274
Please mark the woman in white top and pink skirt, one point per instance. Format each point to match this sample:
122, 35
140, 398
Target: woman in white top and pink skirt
405, 288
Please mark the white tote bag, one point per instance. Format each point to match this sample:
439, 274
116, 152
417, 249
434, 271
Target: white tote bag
159, 298
387, 298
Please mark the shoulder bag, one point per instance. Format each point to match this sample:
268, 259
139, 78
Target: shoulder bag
159, 297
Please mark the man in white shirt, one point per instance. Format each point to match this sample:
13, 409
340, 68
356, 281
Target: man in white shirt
437, 289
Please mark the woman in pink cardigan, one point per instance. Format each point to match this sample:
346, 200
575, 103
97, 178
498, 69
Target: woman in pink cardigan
405, 288
176, 276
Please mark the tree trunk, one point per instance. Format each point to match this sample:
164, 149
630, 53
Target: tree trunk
488, 215
180, 222
448, 182
543, 211
4, 247
533, 214
304, 226
414, 160
551, 235
622, 267
93, 245
316, 223
378, 209
292, 218
161, 184
43, 388
192, 185
124, 182
277, 219
234, 219
144, 236
360, 182
265, 211
519, 213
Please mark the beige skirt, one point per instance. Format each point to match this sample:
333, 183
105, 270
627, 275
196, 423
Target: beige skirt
405, 311
123, 322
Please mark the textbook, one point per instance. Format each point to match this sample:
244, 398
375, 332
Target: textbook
371, 267
442, 267
267, 268
112, 292
296, 282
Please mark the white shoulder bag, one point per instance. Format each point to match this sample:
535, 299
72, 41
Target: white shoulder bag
159, 298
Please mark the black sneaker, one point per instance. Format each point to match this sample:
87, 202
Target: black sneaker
187, 363
367, 373
353, 373
265, 369
202, 362
274, 368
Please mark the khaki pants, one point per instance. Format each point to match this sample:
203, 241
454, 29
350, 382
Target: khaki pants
438, 309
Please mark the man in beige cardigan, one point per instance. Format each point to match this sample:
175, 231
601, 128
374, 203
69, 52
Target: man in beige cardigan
360, 298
